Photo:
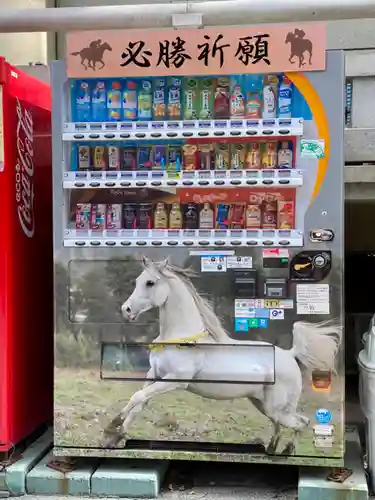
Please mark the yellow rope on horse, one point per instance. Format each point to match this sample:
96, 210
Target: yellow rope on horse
189, 340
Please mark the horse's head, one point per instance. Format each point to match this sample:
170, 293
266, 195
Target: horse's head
289, 37
151, 290
106, 46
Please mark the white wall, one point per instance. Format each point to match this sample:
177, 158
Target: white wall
22, 48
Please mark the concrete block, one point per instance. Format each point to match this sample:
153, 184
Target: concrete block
359, 174
363, 90
359, 145
313, 483
128, 478
359, 63
3, 483
16, 473
42, 480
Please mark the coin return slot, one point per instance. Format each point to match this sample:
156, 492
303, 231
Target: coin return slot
275, 288
245, 283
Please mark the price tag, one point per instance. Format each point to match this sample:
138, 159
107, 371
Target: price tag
204, 174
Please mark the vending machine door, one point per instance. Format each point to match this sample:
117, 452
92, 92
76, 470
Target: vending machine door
198, 223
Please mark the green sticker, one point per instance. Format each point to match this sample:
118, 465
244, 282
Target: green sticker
312, 148
253, 323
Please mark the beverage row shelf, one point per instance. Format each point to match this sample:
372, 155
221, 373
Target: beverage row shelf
184, 238
188, 178
187, 129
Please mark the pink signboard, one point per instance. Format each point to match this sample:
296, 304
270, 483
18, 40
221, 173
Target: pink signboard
214, 51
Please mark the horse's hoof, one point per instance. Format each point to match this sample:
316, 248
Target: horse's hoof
114, 428
270, 450
112, 440
289, 449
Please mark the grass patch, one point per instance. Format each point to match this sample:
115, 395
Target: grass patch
84, 405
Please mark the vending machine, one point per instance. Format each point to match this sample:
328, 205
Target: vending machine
198, 239
26, 256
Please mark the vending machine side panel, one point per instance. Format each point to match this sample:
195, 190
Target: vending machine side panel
5, 183
27, 140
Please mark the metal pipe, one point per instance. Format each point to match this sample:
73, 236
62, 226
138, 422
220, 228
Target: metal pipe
215, 13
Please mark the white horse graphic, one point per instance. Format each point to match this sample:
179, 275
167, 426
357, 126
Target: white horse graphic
186, 317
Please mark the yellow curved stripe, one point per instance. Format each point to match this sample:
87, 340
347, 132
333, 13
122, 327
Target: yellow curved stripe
319, 115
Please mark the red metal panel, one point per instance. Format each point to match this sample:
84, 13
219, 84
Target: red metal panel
26, 310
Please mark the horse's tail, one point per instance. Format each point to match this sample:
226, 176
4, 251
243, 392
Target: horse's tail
315, 345
74, 53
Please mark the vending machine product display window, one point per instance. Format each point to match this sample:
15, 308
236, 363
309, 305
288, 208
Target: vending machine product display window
198, 191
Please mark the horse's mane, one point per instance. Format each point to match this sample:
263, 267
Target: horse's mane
211, 322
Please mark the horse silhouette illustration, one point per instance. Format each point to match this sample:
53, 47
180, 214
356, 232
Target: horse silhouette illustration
298, 46
93, 54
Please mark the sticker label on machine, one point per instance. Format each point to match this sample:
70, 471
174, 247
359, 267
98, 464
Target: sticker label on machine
323, 441
251, 308
213, 264
275, 258
312, 148
220, 263
312, 299
239, 262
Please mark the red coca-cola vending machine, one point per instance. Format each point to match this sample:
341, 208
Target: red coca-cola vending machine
26, 308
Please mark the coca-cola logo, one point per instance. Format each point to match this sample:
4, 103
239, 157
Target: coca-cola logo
25, 170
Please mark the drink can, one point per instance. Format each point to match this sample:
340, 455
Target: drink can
129, 214
190, 216
114, 216
83, 216
144, 216
114, 159
98, 216
84, 158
